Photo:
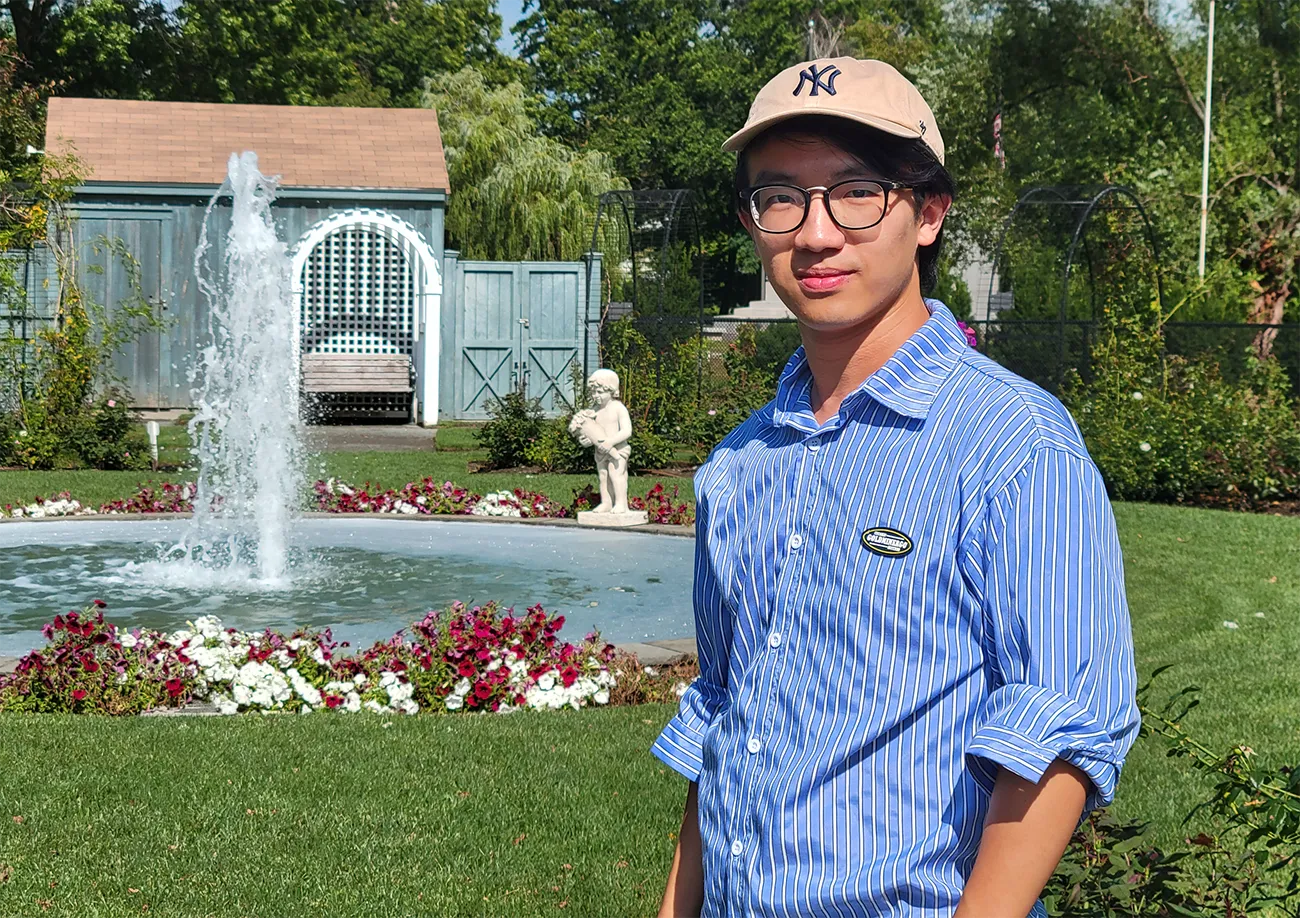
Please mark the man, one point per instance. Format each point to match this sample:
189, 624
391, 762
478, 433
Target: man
916, 665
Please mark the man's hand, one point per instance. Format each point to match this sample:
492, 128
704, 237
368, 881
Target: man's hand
684, 894
1027, 830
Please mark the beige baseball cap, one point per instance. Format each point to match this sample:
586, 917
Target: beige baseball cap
868, 92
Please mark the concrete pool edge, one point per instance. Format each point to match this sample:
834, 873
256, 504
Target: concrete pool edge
664, 529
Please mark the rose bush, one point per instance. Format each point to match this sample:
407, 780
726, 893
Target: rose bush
425, 497
460, 659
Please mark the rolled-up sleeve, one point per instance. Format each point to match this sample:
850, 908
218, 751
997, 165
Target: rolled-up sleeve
1058, 633
681, 744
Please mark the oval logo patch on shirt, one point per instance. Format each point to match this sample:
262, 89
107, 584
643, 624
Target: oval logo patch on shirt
885, 541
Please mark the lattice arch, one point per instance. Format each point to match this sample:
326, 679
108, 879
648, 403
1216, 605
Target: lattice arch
366, 282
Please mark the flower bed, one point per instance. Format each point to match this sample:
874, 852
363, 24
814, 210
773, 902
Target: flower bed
462, 659
413, 499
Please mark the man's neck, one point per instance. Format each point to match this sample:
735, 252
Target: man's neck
842, 359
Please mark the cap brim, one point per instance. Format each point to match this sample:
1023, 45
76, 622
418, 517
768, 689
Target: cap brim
739, 140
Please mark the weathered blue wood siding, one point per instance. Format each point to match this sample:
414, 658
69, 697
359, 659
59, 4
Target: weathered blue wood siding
501, 322
162, 233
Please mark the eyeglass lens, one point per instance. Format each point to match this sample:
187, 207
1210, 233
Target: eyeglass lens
853, 205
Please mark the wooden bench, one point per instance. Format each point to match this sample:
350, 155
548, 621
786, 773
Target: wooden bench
367, 385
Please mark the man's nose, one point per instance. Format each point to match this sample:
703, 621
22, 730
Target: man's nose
819, 231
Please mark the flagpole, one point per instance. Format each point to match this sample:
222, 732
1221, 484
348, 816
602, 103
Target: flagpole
1205, 151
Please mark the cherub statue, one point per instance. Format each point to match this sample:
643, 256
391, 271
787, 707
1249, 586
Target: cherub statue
607, 427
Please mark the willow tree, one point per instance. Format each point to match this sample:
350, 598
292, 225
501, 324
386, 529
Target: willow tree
515, 194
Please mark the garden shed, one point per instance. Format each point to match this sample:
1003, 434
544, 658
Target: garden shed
361, 203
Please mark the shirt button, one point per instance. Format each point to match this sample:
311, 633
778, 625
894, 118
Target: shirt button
754, 745
774, 639
814, 443
796, 541
736, 848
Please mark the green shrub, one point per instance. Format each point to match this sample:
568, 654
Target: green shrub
557, 450
104, 437
1168, 429
8, 439
515, 421
649, 451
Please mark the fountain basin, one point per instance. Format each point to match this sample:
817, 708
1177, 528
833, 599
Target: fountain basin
363, 577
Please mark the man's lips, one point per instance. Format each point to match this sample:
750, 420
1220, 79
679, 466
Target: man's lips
822, 280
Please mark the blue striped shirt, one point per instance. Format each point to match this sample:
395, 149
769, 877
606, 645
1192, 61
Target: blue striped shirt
854, 702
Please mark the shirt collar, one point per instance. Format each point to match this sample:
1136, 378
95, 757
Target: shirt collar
908, 382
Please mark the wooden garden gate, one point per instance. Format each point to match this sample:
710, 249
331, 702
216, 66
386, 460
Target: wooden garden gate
517, 323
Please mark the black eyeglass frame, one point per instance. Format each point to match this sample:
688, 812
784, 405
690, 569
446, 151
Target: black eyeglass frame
749, 196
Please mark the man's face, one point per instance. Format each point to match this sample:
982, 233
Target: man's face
832, 278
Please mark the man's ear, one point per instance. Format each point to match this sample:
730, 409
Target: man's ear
934, 208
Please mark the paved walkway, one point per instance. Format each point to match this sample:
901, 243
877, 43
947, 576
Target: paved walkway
365, 437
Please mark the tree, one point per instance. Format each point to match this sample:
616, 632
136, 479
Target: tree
329, 52
659, 85
515, 194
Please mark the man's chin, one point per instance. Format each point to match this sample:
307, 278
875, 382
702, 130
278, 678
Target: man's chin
830, 314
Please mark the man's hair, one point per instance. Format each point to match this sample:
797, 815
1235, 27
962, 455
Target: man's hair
897, 159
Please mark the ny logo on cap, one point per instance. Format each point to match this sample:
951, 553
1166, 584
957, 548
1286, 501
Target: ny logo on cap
820, 79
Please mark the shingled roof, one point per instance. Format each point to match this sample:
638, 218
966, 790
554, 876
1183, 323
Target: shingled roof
189, 143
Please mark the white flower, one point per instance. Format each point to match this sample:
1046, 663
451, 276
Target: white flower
225, 705
243, 695
601, 697
375, 707
1144, 446
546, 681
454, 702
461, 688
409, 706
127, 640
679, 689
1259, 614
1231, 626
352, 703
319, 656
1137, 396
651, 671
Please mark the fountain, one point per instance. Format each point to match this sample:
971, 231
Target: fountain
246, 420
245, 557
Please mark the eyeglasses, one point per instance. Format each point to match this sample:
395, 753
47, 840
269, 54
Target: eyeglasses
853, 205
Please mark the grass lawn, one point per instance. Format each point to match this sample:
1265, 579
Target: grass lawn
376, 819
290, 816
389, 469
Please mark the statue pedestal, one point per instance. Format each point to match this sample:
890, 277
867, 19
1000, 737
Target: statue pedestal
612, 520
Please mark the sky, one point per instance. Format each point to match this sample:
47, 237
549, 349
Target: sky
511, 12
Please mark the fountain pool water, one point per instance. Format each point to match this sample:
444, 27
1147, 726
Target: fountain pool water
364, 577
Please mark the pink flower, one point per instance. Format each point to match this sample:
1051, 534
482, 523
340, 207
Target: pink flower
112, 403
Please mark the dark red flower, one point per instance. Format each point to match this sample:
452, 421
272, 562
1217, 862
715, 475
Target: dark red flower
520, 699
465, 669
569, 676
333, 701
78, 694
58, 623
482, 689
558, 623
175, 687
90, 666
